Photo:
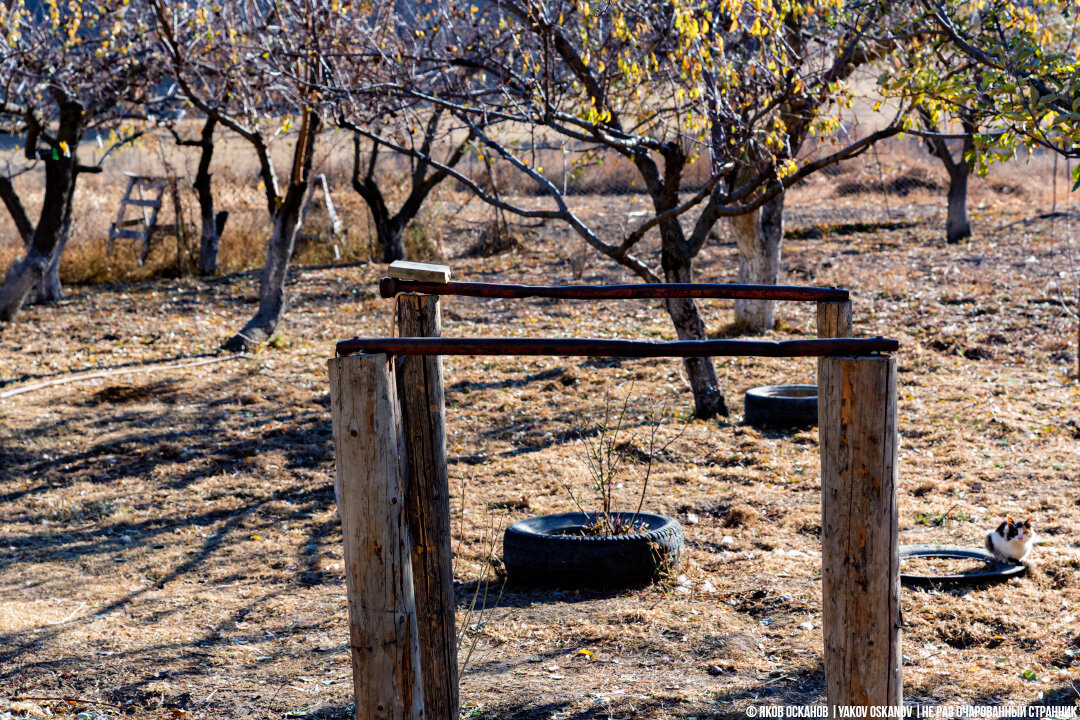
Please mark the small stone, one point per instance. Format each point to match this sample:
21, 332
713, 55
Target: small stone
691, 519
728, 540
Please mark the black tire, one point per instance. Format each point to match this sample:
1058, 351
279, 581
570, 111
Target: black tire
994, 571
782, 406
538, 553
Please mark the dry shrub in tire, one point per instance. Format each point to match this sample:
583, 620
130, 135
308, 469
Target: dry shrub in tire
551, 551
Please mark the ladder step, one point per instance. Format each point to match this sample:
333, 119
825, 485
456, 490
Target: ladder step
129, 234
129, 223
156, 204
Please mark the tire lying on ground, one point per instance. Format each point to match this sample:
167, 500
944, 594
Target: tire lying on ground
550, 551
782, 406
993, 570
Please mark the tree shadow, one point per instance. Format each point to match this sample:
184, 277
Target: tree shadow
794, 688
495, 593
146, 442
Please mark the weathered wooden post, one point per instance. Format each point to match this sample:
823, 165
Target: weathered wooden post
834, 319
427, 495
378, 569
859, 544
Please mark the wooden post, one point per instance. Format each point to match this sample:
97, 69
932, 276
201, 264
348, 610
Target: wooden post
834, 319
378, 569
427, 505
859, 545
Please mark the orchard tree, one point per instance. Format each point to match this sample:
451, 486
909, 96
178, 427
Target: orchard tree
947, 129
393, 41
66, 69
1026, 57
738, 84
256, 67
423, 178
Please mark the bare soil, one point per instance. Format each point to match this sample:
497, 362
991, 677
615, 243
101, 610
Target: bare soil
170, 546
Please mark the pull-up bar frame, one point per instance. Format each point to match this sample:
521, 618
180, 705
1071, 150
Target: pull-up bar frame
389, 438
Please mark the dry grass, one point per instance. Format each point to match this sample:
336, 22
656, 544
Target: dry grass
892, 176
170, 541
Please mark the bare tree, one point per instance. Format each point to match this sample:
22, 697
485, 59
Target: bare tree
423, 179
79, 68
657, 85
251, 66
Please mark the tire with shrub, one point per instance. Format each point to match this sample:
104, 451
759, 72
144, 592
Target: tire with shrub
544, 551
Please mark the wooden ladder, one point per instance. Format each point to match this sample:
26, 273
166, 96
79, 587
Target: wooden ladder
319, 183
148, 203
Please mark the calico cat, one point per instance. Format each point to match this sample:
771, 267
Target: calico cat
1011, 541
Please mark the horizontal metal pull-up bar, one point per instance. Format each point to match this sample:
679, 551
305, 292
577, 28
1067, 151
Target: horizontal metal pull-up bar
594, 347
389, 287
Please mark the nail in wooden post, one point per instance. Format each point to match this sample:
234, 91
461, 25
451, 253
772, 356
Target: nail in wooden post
859, 545
834, 319
378, 569
427, 504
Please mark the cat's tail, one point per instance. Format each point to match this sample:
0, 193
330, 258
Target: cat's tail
989, 543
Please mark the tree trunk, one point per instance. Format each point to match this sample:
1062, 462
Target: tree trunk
957, 226
279, 248
211, 223
701, 372
391, 244
387, 229
758, 236
49, 288
51, 233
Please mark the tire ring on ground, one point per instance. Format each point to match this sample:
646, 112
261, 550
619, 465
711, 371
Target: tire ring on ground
996, 570
782, 406
535, 556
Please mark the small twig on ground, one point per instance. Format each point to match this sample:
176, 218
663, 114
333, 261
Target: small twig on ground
496, 530
65, 698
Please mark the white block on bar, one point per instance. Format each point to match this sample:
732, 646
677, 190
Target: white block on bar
424, 272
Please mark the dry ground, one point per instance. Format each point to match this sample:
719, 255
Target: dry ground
170, 548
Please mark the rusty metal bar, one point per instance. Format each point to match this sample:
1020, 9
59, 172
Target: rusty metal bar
594, 347
389, 287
